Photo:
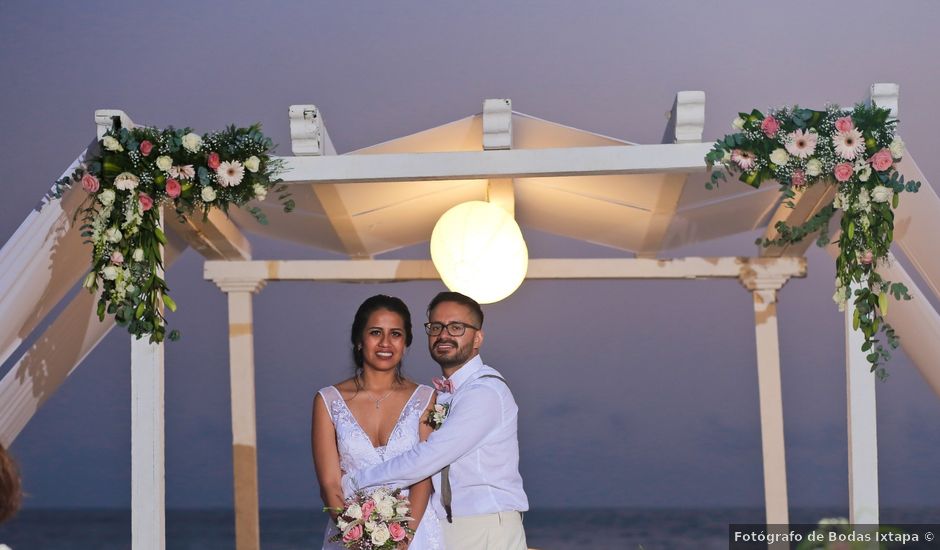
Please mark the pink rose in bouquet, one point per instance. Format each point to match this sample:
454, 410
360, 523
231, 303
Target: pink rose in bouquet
146, 203
145, 148
90, 183
844, 124
213, 161
367, 508
353, 534
173, 188
398, 532
843, 171
770, 126
882, 160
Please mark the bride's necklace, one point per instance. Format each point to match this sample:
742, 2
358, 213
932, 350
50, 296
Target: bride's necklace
379, 400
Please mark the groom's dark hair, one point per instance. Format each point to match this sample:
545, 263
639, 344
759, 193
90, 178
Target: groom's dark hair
461, 299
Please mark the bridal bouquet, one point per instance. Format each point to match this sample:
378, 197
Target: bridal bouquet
133, 173
375, 521
855, 151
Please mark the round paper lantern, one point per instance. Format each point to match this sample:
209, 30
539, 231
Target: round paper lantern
479, 251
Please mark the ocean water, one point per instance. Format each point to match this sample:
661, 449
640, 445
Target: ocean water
546, 529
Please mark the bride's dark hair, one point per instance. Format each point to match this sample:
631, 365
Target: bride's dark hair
370, 306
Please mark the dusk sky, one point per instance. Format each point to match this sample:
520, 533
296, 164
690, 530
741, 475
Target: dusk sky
635, 393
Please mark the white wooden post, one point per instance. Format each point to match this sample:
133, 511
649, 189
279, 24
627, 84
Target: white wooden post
862, 426
497, 136
244, 432
764, 290
861, 410
148, 488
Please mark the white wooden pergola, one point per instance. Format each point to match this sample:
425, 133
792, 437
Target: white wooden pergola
639, 198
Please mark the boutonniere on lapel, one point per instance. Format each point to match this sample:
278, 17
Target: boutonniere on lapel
438, 414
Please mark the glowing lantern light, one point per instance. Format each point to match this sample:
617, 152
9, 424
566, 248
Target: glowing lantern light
479, 251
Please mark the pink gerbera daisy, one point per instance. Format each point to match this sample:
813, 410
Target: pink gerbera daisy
801, 144
230, 174
849, 144
744, 159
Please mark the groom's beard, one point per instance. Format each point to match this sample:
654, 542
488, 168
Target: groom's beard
454, 357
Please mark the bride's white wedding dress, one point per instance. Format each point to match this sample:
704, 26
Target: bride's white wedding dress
356, 452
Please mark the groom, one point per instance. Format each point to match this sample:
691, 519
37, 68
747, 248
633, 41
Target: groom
477, 446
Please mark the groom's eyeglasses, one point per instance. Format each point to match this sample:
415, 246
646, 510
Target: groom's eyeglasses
454, 328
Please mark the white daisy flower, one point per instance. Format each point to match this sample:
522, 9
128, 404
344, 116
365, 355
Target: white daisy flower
802, 144
849, 144
230, 174
125, 181
185, 172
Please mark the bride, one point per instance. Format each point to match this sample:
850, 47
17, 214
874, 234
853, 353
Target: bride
374, 416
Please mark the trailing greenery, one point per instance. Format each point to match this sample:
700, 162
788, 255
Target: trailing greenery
855, 151
130, 176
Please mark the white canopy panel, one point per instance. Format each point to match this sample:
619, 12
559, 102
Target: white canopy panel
636, 212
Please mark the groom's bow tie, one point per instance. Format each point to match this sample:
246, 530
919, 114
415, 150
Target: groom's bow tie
443, 385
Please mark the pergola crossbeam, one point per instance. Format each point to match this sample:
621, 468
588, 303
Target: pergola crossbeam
513, 163
421, 270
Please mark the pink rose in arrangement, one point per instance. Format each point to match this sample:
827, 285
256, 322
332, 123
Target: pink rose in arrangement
843, 171
882, 160
90, 183
798, 179
214, 160
867, 258
367, 509
117, 258
145, 148
172, 188
397, 531
844, 124
353, 534
770, 126
146, 203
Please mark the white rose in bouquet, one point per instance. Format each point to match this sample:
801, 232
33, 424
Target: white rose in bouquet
111, 144
813, 167
881, 193
106, 197
252, 163
110, 273
208, 194
779, 157
386, 509
354, 511
380, 535
164, 163
192, 142
896, 148
113, 234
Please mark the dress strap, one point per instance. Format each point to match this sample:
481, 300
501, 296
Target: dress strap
330, 395
424, 395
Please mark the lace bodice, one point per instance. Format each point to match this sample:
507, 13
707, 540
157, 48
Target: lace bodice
356, 452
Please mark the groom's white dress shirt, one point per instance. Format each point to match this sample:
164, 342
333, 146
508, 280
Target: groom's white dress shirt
479, 439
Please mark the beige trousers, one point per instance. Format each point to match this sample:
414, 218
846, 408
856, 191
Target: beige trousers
500, 531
